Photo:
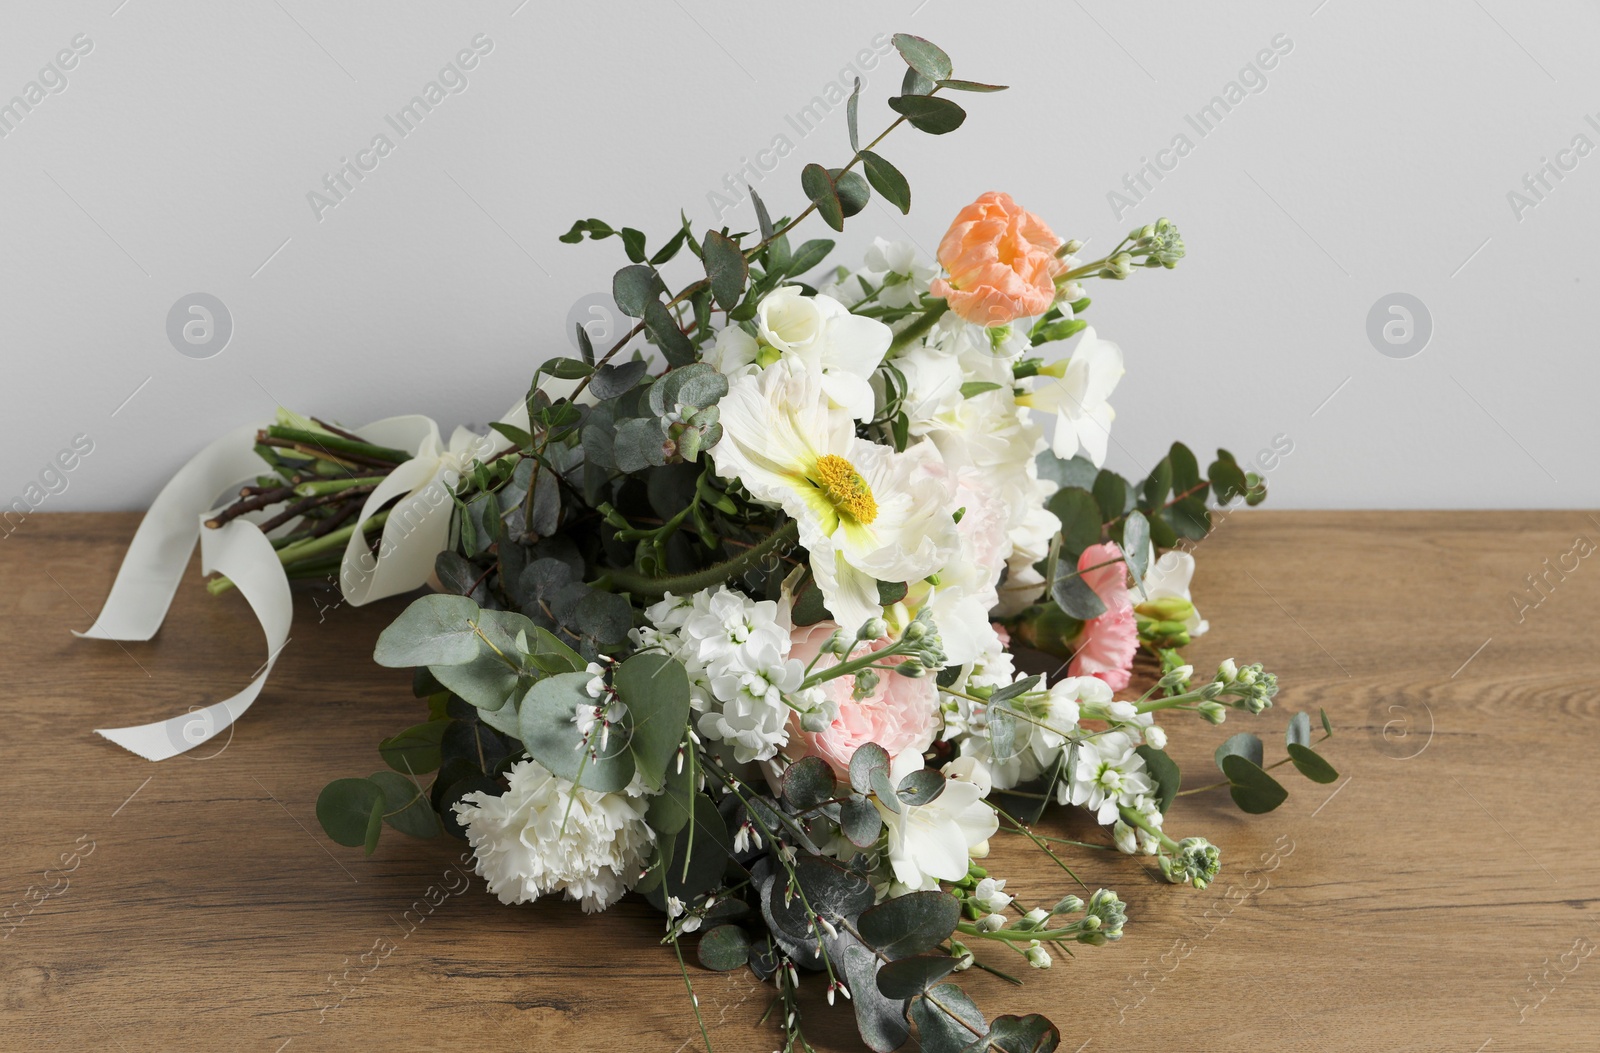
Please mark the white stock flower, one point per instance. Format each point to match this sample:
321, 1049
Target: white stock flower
1169, 577
1106, 772
990, 895
545, 835
934, 842
1131, 839
841, 348
1078, 399
866, 513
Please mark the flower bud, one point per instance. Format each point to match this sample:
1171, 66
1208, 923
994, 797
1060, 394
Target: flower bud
1166, 609
1068, 905
1228, 671
991, 923
912, 668
1068, 247
872, 629
1037, 956
1213, 712
1037, 915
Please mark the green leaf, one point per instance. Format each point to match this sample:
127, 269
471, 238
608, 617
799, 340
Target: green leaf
701, 852
668, 811
549, 732
1021, 1034
434, 630
910, 924
414, 750
819, 188
596, 229
1079, 513
1157, 485
1164, 770
977, 387
1327, 726
970, 85
1111, 494
724, 948
1311, 763
809, 255
1299, 730
566, 368
485, 682
880, 1021
1185, 469
613, 380
633, 287
853, 191
914, 83
920, 787
1227, 478
726, 267
655, 688
1243, 745
347, 809
831, 890
763, 220
405, 805
807, 783
947, 1020
923, 56
850, 117
928, 113
519, 438
664, 331
632, 243
860, 822
1074, 596
887, 180
1253, 790
1136, 545
911, 976
869, 760
891, 592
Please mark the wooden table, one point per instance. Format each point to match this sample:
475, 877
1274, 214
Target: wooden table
1424, 902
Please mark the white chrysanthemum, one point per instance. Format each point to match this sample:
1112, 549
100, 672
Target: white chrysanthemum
866, 513
1078, 399
544, 835
1106, 773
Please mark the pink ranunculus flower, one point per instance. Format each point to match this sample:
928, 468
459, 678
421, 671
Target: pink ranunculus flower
1002, 263
902, 715
1109, 642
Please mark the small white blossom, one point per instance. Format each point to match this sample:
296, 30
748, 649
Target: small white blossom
1106, 773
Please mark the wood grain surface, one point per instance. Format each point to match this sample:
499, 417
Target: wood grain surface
1440, 897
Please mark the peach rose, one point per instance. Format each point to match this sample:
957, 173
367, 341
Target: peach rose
1109, 642
1001, 260
901, 715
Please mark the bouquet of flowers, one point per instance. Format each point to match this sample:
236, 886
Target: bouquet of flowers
729, 623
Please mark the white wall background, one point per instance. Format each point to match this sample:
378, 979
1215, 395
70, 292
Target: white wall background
1377, 160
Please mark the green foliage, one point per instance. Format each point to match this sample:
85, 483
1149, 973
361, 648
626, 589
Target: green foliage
351, 812
928, 113
724, 947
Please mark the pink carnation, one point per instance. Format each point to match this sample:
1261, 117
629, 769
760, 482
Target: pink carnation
902, 715
1109, 642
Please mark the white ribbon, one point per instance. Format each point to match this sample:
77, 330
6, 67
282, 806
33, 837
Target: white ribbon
417, 530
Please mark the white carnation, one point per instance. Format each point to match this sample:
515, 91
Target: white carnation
545, 835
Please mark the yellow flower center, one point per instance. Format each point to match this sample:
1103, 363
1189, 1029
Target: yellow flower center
844, 487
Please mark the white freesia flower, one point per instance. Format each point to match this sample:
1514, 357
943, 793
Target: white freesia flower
866, 513
545, 835
903, 276
1169, 576
1078, 398
841, 348
1106, 772
933, 842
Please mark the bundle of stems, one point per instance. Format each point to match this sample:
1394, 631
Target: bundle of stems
322, 476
